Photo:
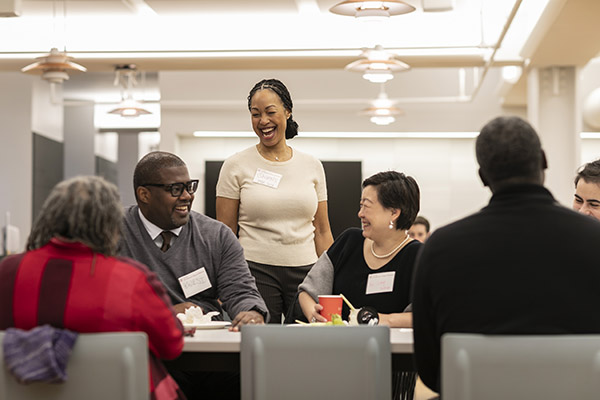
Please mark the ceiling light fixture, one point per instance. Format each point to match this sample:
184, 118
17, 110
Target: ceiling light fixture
382, 111
129, 108
371, 9
378, 66
125, 76
54, 66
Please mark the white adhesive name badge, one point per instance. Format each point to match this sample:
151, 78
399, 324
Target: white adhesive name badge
382, 282
194, 282
267, 178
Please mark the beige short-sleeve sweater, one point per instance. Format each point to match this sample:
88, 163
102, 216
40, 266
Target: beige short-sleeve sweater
276, 213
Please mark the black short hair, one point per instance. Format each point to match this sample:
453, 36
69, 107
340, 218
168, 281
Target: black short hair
508, 150
396, 190
422, 221
280, 90
147, 168
589, 172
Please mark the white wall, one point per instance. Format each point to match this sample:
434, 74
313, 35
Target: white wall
590, 150
47, 117
326, 100
16, 150
79, 133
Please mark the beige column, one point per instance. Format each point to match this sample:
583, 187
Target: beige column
127, 159
553, 108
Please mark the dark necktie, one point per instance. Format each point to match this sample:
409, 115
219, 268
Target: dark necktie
166, 235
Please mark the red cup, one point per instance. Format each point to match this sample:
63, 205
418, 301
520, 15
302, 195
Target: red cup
331, 305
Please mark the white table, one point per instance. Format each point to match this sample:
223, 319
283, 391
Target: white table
219, 350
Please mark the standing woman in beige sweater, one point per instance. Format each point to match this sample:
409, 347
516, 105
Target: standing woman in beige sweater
275, 198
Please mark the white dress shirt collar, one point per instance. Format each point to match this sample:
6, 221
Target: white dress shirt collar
153, 230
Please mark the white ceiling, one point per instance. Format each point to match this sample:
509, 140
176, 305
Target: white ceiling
263, 34
271, 35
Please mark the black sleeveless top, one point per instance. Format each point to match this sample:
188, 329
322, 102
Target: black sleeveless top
351, 273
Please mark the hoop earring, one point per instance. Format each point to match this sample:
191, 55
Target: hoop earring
391, 225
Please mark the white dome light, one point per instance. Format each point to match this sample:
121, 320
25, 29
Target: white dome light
382, 111
378, 66
372, 8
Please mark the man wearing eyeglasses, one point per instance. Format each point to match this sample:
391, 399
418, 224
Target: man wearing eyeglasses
198, 259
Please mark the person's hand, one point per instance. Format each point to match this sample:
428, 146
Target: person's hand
246, 317
181, 307
316, 315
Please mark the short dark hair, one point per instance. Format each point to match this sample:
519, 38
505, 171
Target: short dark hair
422, 221
86, 209
589, 172
509, 151
280, 90
147, 168
396, 190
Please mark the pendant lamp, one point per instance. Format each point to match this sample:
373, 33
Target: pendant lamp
372, 9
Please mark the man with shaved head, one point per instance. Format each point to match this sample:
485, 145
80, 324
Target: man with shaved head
522, 265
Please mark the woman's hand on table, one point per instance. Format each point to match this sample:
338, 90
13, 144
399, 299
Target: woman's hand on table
316, 314
246, 318
310, 308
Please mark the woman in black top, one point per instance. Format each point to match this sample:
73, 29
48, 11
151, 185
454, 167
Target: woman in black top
373, 266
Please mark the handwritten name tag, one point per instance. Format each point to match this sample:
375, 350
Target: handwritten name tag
382, 282
267, 178
194, 282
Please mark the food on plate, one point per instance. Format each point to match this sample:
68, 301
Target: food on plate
336, 319
195, 316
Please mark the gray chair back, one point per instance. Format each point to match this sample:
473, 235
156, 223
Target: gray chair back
494, 367
307, 362
102, 366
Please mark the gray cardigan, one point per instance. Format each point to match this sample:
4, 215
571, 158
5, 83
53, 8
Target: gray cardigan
203, 242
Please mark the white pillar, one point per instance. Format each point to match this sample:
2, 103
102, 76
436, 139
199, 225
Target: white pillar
80, 158
554, 110
128, 158
16, 151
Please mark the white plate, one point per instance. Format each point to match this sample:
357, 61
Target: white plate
209, 325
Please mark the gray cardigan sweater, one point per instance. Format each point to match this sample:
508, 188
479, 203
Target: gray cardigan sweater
203, 242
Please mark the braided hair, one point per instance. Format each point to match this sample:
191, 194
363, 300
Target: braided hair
86, 209
278, 88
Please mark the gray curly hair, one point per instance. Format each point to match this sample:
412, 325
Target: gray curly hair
86, 209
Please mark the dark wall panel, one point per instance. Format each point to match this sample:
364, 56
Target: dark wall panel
108, 170
48, 156
343, 190
211, 177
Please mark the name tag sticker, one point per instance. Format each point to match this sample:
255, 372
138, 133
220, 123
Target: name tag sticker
382, 282
267, 178
194, 282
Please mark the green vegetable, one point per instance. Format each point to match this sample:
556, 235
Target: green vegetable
336, 319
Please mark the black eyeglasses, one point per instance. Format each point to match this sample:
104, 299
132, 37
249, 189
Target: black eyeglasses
176, 189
